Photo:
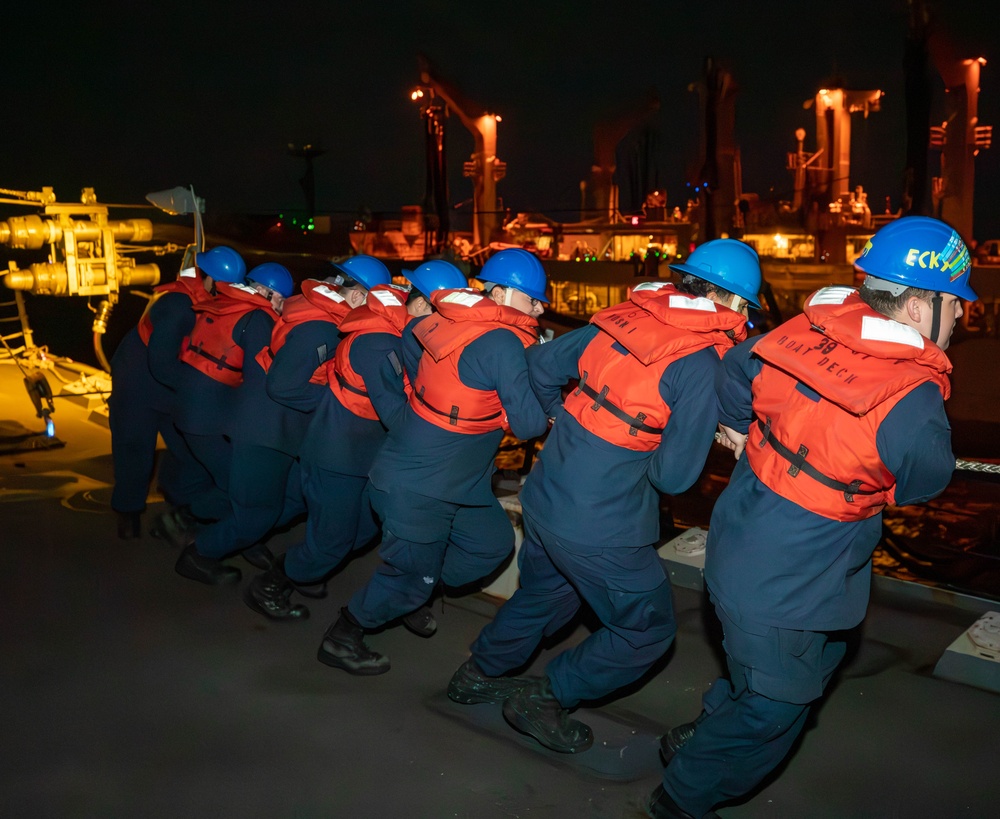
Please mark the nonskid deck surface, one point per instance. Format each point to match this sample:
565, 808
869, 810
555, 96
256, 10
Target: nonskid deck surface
130, 691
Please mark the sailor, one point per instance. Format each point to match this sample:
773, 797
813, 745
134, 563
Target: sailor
140, 408
307, 334
366, 392
302, 342
832, 415
198, 400
229, 332
431, 483
640, 421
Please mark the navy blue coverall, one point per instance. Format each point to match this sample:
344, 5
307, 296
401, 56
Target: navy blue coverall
204, 407
142, 404
264, 487
336, 456
591, 511
783, 579
432, 489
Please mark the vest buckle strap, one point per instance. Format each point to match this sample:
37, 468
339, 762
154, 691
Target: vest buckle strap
798, 463
635, 423
798, 460
766, 433
599, 401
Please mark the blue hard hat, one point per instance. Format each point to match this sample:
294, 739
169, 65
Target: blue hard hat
436, 274
222, 263
518, 269
917, 251
367, 270
727, 263
273, 276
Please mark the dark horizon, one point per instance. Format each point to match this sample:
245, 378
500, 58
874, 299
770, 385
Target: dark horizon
213, 98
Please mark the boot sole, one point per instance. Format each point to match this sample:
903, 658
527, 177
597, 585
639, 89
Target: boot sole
425, 633
358, 671
472, 699
481, 699
228, 580
251, 601
523, 725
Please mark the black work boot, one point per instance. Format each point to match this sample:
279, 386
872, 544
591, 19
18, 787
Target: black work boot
534, 710
662, 806
471, 686
317, 591
269, 594
205, 569
176, 526
344, 647
129, 525
421, 622
672, 741
259, 556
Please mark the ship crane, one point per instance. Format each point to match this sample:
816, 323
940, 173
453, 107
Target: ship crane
483, 168
959, 138
607, 135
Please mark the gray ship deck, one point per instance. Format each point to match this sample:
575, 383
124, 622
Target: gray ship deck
129, 691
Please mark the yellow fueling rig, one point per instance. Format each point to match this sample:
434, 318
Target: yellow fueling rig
89, 255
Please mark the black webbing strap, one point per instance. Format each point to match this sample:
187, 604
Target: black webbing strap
218, 362
798, 463
453, 416
348, 387
635, 422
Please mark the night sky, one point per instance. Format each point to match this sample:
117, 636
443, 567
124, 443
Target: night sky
135, 97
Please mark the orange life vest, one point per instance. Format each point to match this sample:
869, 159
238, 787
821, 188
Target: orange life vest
210, 348
439, 396
317, 302
618, 398
383, 312
823, 455
189, 281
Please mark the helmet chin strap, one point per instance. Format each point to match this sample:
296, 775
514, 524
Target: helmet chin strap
735, 303
936, 316
508, 294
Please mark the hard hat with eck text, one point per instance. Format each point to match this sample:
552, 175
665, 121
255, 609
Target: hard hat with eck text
920, 252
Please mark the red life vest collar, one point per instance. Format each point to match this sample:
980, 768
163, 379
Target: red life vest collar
475, 314
316, 302
628, 322
819, 347
235, 298
323, 298
189, 282
384, 311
